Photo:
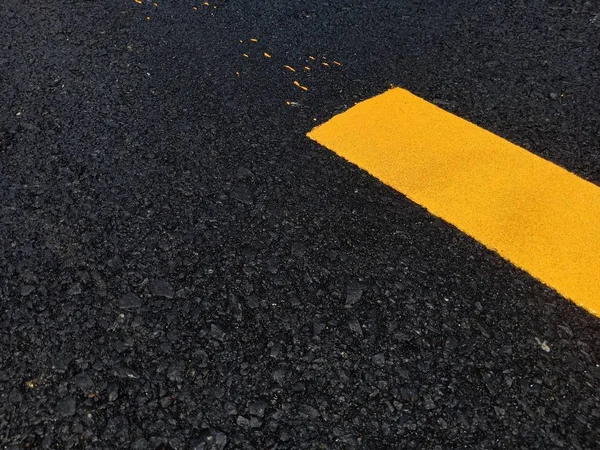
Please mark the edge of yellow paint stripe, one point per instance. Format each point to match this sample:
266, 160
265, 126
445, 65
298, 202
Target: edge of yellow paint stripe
532, 212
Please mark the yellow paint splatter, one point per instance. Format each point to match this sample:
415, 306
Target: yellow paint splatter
237, 73
325, 64
139, 2
241, 41
306, 68
206, 4
147, 17
253, 40
290, 68
245, 55
267, 55
297, 83
155, 5
312, 58
195, 8
337, 63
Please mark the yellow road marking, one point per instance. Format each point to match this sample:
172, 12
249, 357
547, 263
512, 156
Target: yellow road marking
534, 213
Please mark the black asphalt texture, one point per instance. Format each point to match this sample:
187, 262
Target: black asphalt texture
182, 268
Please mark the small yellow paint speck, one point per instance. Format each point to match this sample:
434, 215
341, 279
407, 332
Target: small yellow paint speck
206, 4
155, 4
337, 63
290, 68
297, 83
147, 17
312, 58
195, 8
245, 55
325, 64
237, 73
267, 55
139, 2
253, 40
306, 68
30, 384
241, 41
287, 102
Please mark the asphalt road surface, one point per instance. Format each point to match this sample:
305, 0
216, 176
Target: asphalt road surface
182, 268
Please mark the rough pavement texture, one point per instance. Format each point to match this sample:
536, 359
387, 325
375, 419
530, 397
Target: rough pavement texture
183, 269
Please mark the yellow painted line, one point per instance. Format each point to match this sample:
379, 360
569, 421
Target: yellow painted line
534, 213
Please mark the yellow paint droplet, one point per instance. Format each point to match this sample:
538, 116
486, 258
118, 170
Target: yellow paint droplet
241, 41
155, 4
325, 64
253, 40
139, 2
290, 68
147, 17
311, 57
337, 63
237, 73
297, 83
306, 68
206, 4
267, 55
287, 102
195, 8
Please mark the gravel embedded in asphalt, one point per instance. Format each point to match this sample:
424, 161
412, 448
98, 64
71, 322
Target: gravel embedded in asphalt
183, 269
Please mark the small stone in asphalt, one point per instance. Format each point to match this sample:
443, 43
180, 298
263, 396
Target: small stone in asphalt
66, 407
379, 359
210, 440
242, 194
15, 396
308, 411
113, 392
243, 422
174, 373
354, 293
355, 327
258, 408
162, 288
61, 363
84, 382
217, 331
75, 289
130, 301
140, 444
26, 290
125, 372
